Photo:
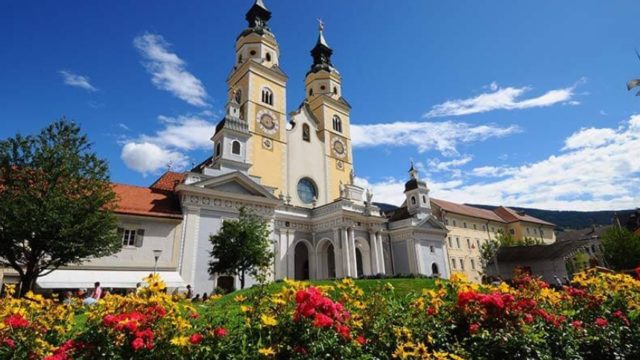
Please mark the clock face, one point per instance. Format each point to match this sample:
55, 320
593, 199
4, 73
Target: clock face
267, 121
339, 148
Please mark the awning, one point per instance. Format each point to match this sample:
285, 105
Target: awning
75, 279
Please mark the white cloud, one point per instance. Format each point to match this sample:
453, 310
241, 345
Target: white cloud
76, 80
596, 176
492, 171
148, 158
590, 137
152, 153
436, 165
503, 98
441, 136
168, 70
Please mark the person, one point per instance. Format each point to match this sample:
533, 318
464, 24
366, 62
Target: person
86, 299
67, 299
189, 292
205, 297
97, 291
196, 299
558, 281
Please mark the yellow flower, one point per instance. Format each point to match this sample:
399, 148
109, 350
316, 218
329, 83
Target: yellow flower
268, 320
267, 351
180, 341
240, 298
245, 308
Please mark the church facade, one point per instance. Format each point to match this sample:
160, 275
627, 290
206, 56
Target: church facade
295, 169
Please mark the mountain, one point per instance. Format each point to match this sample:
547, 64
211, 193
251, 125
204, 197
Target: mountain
567, 220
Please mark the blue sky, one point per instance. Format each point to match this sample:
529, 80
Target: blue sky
498, 102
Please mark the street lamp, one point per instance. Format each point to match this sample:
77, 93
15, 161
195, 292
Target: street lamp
156, 256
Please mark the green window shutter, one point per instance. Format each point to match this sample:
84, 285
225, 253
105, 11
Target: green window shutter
139, 237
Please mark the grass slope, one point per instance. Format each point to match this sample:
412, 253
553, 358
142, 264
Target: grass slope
227, 310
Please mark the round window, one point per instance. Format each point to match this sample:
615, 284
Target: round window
307, 190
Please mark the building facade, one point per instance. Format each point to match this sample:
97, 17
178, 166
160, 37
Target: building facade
296, 171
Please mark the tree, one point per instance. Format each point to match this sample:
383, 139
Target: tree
621, 248
56, 202
241, 247
488, 253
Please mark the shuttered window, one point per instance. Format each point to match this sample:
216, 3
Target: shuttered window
131, 237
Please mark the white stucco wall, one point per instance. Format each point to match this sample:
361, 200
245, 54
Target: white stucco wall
159, 234
305, 159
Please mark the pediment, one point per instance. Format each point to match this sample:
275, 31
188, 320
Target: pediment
235, 183
432, 223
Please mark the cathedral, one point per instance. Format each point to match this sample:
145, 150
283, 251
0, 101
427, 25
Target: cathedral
298, 172
294, 167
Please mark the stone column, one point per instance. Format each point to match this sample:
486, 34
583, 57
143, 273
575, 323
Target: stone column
380, 253
373, 240
346, 251
291, 254
337, 254
352, 249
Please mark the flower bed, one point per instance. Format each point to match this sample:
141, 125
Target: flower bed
596, 318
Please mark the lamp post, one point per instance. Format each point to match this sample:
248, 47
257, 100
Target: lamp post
156, 256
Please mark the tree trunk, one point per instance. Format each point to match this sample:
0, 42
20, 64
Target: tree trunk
27, 283
242, 279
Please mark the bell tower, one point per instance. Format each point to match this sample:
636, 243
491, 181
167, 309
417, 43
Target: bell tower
258, 86
323, 85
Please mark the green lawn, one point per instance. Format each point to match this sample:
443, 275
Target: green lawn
225, 309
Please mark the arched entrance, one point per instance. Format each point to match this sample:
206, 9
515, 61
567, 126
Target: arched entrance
363, 257
326, 260
226, 283
434, 270
301, 262
359, 265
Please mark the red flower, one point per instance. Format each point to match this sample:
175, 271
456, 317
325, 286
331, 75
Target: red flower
16, 321
196, 338
137, 344
528, 318
220, 332
322, 320
431, 310
299, 349
465, 297
343, 331
620, 315
194, 315
9, 342
473, 328
577, 324
601, 322
361, 340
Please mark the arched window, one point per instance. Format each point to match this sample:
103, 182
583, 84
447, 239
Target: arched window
268, 56
310, 91
239, 58
238, 96
435, 270
235, 147
218, 150
306, 132
424, 199
267, 96
337, 123
413, 200
335, 90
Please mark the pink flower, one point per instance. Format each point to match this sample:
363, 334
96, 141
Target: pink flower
528, 318
196, 339
361, 340
577, 324
9, 342
220, 332
601, 322
137, 344
473, 328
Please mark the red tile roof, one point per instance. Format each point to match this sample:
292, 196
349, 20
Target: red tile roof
510, 215
168, 181
466, 210
136, 200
